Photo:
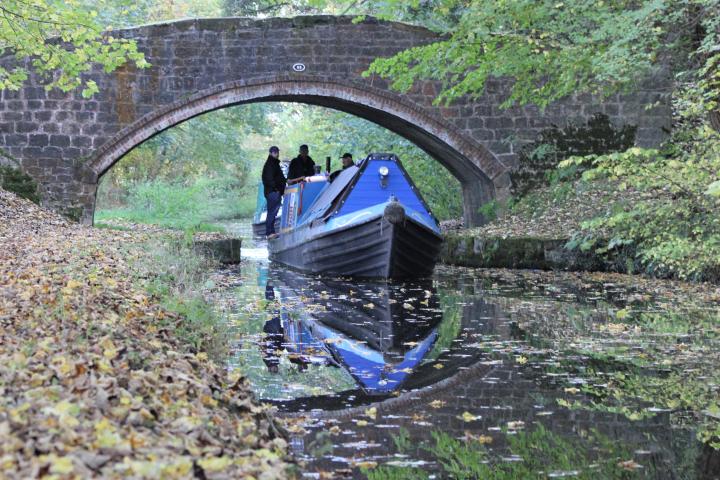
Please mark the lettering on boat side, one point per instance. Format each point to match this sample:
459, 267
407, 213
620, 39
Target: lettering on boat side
298, 67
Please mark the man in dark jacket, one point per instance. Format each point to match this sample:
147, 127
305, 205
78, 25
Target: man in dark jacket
347, 162
273, 189
301, 166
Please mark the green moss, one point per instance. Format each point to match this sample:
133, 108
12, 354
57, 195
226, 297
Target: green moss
496, 252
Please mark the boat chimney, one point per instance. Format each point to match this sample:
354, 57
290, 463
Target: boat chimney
327, 164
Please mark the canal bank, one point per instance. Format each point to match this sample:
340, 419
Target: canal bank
109, 369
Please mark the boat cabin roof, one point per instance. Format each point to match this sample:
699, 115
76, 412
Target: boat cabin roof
329, 194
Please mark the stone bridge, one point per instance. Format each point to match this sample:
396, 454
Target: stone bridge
67, 142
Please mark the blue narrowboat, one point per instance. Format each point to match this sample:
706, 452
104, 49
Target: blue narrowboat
370, 221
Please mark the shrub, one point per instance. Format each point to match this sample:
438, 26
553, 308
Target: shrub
15, 181
675, 221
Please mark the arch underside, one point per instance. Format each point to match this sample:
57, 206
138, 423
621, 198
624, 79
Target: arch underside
474, 166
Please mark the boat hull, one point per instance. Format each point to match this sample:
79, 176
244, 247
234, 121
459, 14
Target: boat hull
372, 249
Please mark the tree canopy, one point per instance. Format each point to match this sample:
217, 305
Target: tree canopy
59, 41
551, 48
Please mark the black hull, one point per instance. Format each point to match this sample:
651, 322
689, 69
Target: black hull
259, 228
374, 249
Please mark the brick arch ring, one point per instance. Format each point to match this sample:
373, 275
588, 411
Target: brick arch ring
482, 176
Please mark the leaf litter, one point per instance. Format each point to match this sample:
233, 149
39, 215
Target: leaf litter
94, 381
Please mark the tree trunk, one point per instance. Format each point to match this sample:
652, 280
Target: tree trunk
715, 120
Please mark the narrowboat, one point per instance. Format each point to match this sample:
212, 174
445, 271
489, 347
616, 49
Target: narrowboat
258, 222
369, 221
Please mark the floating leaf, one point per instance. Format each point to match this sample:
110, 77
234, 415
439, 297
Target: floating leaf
469, 417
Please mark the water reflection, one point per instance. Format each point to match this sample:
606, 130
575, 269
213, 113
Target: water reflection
377, 332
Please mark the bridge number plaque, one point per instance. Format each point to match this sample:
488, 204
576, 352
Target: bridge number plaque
298, 67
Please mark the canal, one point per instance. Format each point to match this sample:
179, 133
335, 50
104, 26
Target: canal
480, 373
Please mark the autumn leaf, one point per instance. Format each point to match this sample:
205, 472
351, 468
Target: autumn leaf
469, 417
215, 464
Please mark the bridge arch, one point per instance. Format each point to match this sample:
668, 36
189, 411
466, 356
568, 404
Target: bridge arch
464, 158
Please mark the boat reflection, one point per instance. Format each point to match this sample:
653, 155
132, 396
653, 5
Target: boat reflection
379, 332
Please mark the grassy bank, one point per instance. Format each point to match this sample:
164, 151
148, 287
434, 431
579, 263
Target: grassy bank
107, 352
178, 205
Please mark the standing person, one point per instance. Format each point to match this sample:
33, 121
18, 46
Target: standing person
301, 166
273, 189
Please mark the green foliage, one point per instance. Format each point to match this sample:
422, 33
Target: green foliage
21, 184
675, 224
540, 453
128, 13
181, 206
177, 275
552, 49
110, 226
196, 172
490, 210
208, 145
32, 28
263, 8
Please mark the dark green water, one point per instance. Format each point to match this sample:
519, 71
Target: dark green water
481, 374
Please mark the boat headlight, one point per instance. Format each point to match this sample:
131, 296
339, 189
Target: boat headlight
384, 172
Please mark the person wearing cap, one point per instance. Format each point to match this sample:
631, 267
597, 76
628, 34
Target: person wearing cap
347, 162
301, 166
273, 189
